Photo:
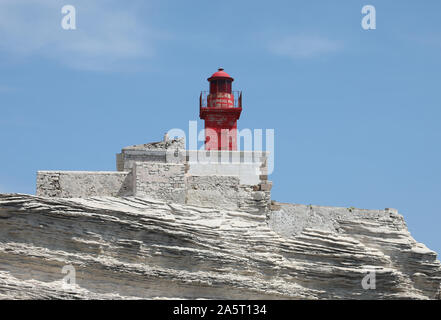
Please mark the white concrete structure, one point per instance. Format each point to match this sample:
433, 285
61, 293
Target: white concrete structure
166, 171
249, 166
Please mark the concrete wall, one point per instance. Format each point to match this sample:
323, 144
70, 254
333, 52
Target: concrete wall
235, 180
222, 191
247, 165
226, 192
163, 181
83, 184
126, 159
166, 151
119, 162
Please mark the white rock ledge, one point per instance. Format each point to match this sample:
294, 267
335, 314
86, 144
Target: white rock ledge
125, 248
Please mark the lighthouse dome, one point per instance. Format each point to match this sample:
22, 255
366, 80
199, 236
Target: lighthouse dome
220, 74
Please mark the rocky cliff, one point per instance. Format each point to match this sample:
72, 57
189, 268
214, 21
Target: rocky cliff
140, 248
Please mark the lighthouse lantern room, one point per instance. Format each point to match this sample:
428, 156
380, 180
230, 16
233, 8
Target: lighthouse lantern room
220, 109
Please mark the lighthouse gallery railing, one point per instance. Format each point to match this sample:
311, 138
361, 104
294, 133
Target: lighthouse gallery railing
203, 98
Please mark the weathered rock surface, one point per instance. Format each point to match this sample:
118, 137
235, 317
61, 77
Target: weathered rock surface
139, 248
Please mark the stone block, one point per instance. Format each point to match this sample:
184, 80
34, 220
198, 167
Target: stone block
83, 184
162, 181
258, 195
266, 186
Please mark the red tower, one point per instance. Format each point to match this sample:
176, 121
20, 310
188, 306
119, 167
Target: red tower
220, 109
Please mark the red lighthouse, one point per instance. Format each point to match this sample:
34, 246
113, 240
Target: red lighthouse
220, 109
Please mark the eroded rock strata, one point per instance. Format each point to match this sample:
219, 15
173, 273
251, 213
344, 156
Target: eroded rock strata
140, 248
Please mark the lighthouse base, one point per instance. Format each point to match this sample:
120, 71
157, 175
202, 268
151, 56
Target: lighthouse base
233, 180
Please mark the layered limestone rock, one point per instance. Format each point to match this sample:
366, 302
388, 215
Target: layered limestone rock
141, 248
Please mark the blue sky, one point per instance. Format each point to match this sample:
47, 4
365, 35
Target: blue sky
356, 113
